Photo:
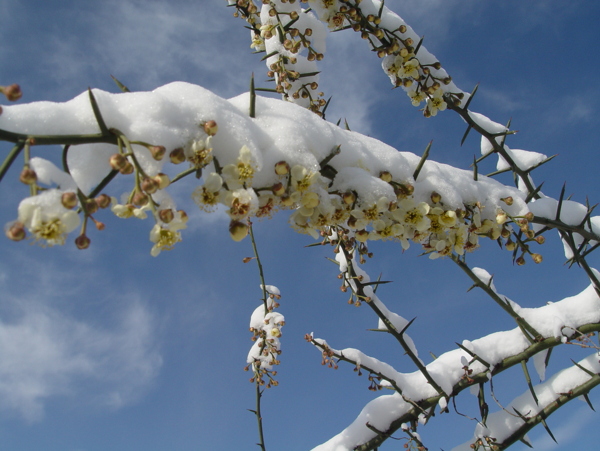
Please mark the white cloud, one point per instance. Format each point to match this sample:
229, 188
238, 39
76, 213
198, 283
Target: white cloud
46, 352
146, 44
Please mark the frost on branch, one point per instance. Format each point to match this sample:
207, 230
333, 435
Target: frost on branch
284, 158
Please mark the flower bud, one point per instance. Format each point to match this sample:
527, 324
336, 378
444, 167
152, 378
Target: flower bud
435, 197
287, 201
278, 189
12, 92
166, 215
238, 230
69, 200
520, 261
28, 176
275, 332
140, 199
162, 180
82, 242
385, 176
537, 258
183, 216
158, 152
103, 201
90, 206
510, 245
211, 128
127, 169
99, 225
149, 185
177, 156
362, 235
349, 197
16, 231
501, 218
282, 168
540, 239
507, 200
529, 216
117, 162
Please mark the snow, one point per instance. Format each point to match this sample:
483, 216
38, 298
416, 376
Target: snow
559, 319
173, 116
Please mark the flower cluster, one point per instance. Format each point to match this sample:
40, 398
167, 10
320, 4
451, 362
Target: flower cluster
294, 40
283, 29
265, 325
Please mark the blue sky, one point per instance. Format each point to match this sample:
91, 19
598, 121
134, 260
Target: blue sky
110, 348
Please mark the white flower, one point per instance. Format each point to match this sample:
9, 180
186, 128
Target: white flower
46, 218
128, 210
409, 69
207, 196
436, 102
239, 174
165, 236
302, 178
416, 97
241, 202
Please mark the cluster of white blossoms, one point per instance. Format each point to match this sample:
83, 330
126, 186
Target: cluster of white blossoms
294, 40
282, 28
318, 206
285, 158
265, 325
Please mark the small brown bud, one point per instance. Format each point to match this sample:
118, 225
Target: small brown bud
282, 168
436, 197
278, 189
520, 261
238, 230
68, 200
28, 176
117, 162
247, 259
540, 239
140, 199
537, 258
166, 215
162, 180
529, 216
127, 169
82, 242
16, 231
402, 29
211, 128
99, 225
90, 206
385, 176
177, 156
12, 92
149, 185
103, 201
507, 200
349, 197
158, 152
183, 216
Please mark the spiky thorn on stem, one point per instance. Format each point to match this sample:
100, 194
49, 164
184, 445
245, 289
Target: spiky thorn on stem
530, 333
398, 335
